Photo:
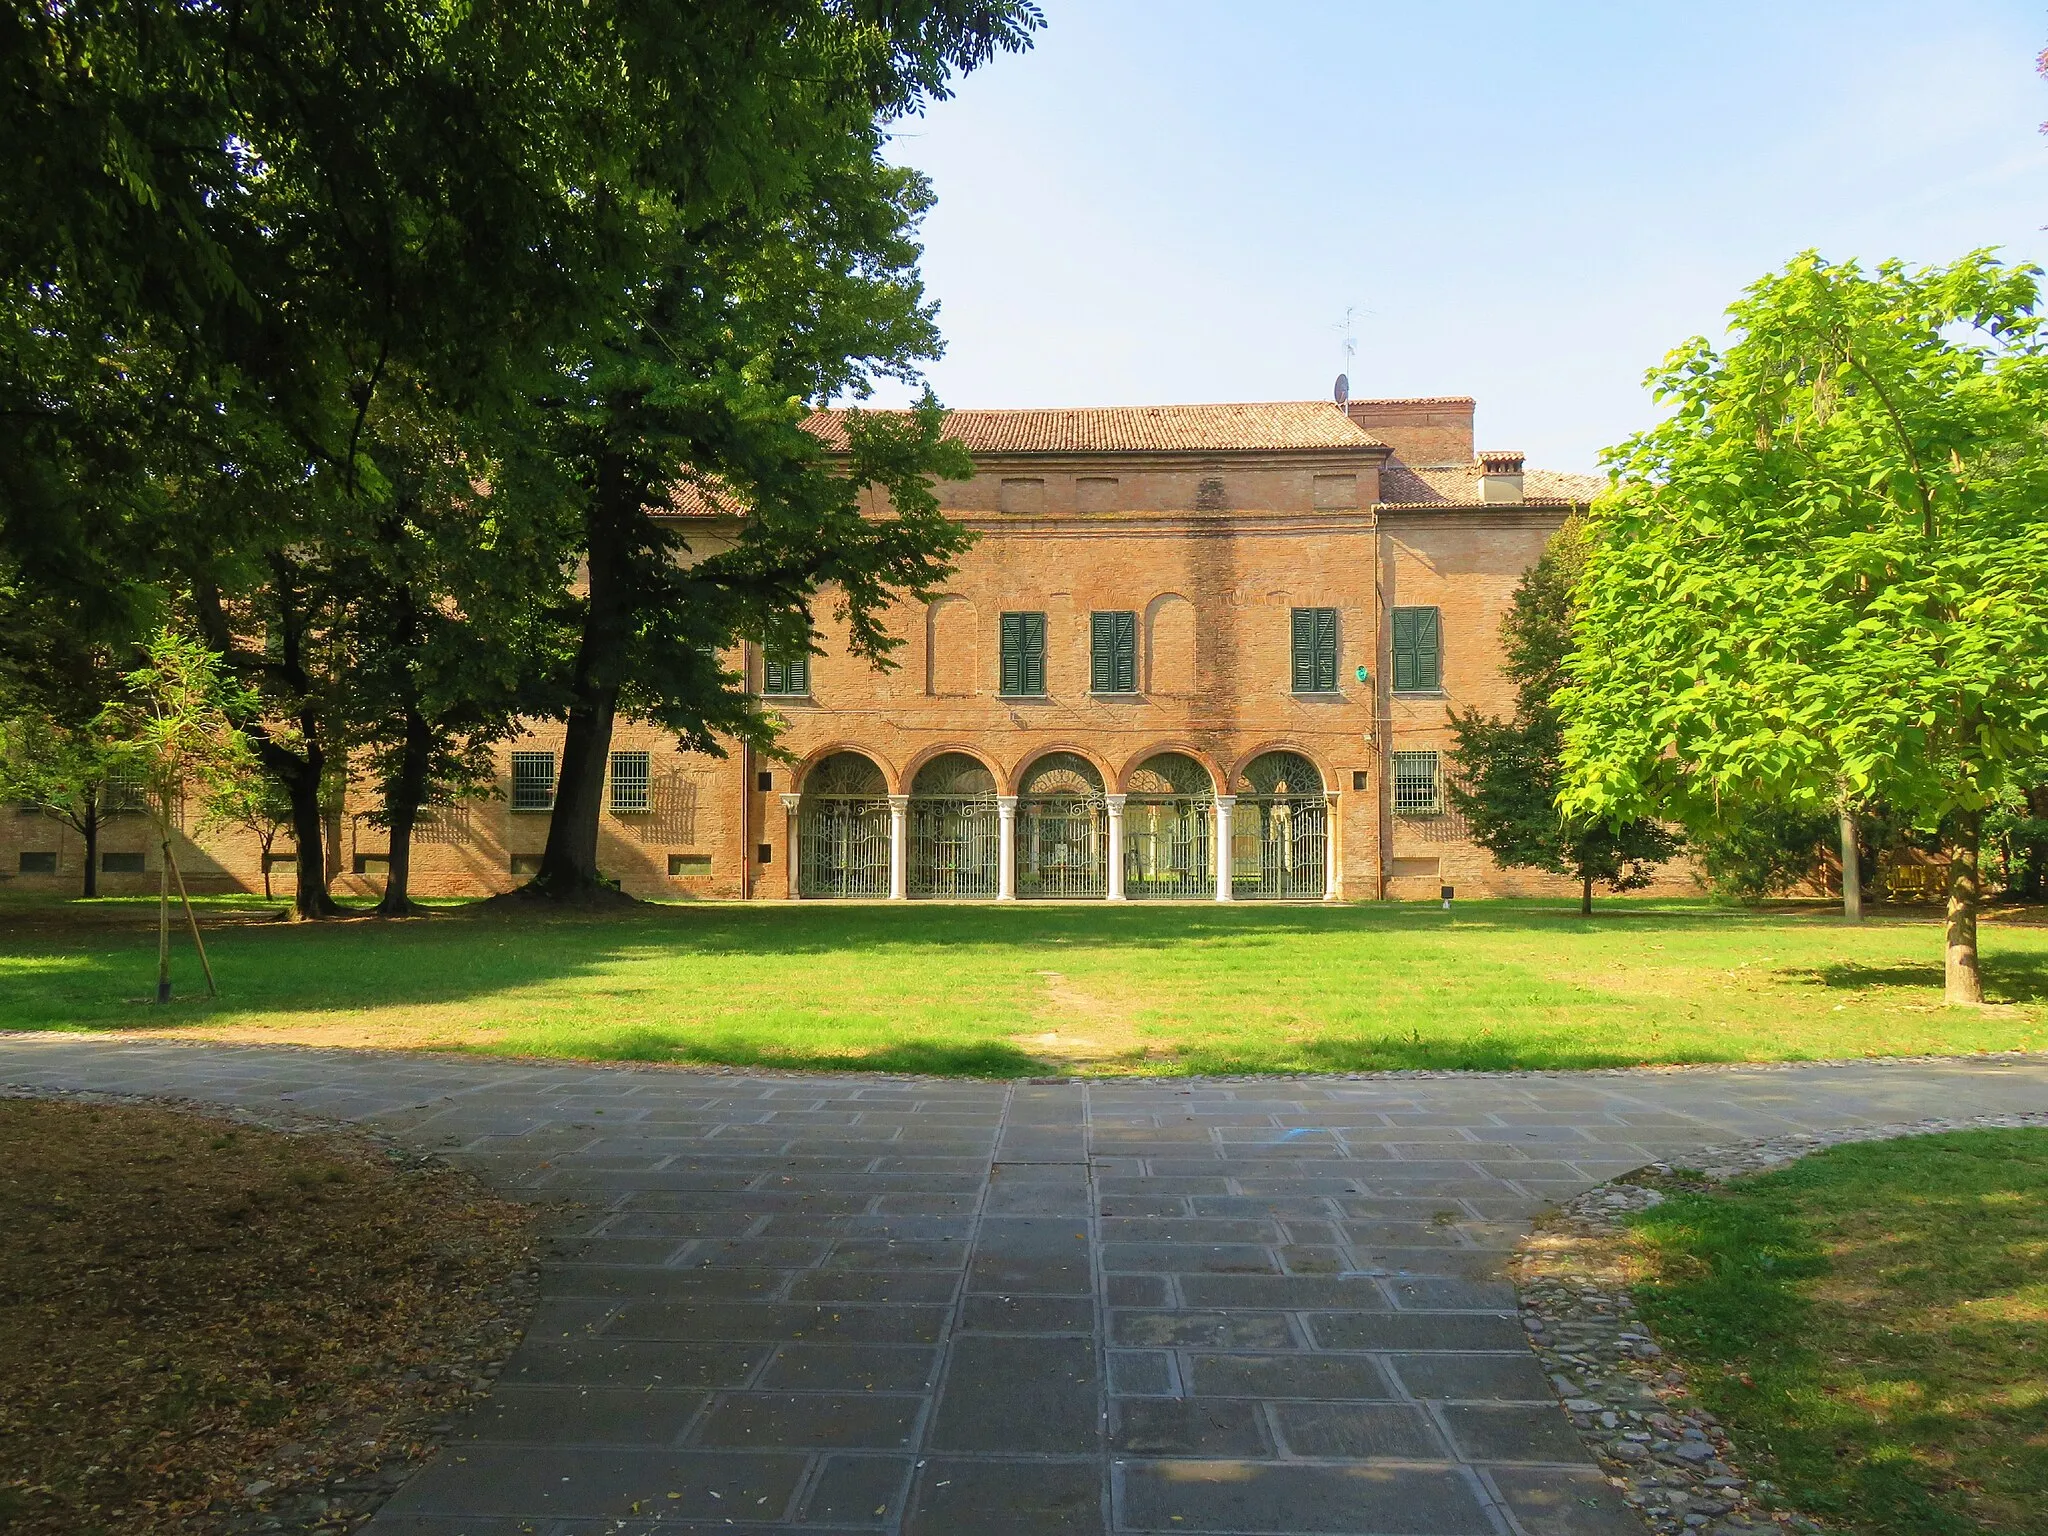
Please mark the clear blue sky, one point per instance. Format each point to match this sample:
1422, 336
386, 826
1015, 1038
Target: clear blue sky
1526, 203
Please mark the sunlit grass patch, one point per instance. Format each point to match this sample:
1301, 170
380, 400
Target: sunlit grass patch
1027, 989
1872, 1323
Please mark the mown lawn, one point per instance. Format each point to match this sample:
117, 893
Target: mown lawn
1871, 1323
1028, 989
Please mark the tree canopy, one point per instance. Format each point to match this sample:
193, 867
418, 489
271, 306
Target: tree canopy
1818, 582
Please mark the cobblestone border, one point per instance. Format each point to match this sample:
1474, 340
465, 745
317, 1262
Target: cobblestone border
1673, 1461
275, 1502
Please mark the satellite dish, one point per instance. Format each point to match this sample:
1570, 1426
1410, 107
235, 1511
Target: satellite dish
1343, 389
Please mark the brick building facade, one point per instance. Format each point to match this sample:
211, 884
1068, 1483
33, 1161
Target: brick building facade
1197, 652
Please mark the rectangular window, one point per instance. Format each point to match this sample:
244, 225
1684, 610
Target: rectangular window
681, 864
39, 863
1315, 650
1113, 653
1418, 650
786, 677
121, 863
1023, 636
533, 781
372, 863
1418, 784
629, 782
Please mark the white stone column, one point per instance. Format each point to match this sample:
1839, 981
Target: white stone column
899, 847
1331, 886
1006, 852
1115, 803
1225, 804
790, 806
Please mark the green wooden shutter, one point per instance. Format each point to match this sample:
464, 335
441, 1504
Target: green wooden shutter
1304, 679
1102, 652
1034, 652
1012, 680
1429, 648
1404, 650
1326, 650
1124, 669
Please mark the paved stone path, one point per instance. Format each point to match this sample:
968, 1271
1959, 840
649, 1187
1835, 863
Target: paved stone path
849, 1304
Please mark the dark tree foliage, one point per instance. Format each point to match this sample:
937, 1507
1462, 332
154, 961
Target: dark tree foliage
230, 232
1507, 773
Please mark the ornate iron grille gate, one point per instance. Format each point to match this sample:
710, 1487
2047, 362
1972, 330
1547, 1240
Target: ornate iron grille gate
1279, 848
1062, 829
1169, 831
955, 829
1279, 832
843, 829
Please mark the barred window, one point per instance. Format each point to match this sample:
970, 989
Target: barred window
1418, 783
629, 781
533, 781
124, 794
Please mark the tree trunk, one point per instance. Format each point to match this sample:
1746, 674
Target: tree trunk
265, 844
1852, 871
163, 925
89, 829
402, 797
568, 867
1962, 984
1586, 896
301, 780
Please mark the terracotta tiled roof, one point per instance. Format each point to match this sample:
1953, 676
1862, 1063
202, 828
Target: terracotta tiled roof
1406, 485
707, 497
1269, 425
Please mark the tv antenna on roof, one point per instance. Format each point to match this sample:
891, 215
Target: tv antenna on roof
1349, 329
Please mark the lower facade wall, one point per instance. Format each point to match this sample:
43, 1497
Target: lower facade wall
717, 830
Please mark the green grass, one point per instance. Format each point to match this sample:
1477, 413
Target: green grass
1028, 989
1872, 1325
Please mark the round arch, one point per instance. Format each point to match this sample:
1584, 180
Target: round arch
811, 760
1062, 826
1280, 828
954, 831
1238, 770
926, 756
1184, 749
1169, 827
843, 825
1021, 773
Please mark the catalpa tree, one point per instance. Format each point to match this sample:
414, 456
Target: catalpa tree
1820, 581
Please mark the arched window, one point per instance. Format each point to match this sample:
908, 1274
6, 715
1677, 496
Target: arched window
1279, 832
952, 648
843, 828
955, 829
1170, 645
1062, 829
1169, 830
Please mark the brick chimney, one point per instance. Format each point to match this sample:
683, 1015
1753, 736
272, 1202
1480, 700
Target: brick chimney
1500, 476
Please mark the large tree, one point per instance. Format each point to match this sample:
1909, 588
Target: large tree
698, 396
226, 230
1819, 580
1507, 773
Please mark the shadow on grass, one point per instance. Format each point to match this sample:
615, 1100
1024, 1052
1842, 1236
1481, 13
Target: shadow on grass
931, 1058
2012, 978
1877, 1401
